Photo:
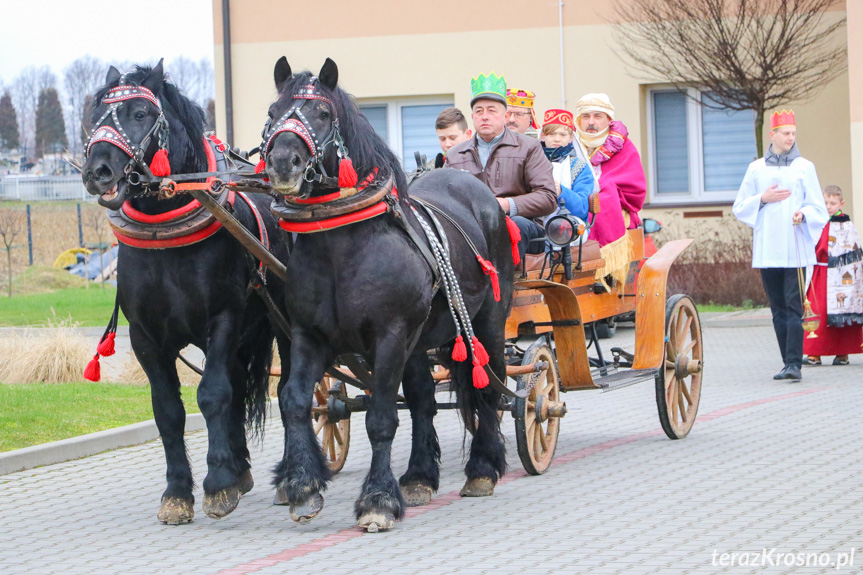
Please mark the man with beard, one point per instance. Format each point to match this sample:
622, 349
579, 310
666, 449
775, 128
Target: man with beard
622, 185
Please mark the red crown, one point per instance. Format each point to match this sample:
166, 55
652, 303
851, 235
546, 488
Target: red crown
782, 119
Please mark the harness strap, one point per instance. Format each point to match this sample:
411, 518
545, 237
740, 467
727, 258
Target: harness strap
262, 229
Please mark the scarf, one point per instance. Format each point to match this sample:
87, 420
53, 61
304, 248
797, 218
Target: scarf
609, 142
844, 273
556, 154
591, 140
785, 159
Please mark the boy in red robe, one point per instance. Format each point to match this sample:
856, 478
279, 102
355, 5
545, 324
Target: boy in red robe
836, 291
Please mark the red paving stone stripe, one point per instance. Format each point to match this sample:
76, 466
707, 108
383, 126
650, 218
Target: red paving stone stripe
451, 497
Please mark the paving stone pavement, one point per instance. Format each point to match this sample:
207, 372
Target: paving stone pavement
768, 465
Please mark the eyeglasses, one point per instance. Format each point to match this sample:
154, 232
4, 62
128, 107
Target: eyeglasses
519, 114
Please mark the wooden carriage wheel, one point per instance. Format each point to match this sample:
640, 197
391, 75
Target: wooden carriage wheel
335, 437
535, 432
678, 383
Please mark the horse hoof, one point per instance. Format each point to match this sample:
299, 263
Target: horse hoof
307, 510
220, 504
245, 482
477, 487
175, 511
416, 494
281, 497
374, 522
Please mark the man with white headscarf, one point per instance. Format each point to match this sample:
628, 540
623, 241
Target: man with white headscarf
622, 185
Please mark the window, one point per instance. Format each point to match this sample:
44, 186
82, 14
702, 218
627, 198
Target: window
697, 154
407, 125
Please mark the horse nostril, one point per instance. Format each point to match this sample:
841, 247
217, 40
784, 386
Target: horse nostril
296, 161
104, 172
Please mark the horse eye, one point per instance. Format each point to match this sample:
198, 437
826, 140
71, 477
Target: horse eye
140, 115
325, 115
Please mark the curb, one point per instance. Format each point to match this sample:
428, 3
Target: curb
744, 318
93, 443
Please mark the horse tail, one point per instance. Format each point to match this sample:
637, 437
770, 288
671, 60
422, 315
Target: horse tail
256, 355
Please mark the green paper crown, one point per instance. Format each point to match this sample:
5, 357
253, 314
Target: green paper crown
491, 86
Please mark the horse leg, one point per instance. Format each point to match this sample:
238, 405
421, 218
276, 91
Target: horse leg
216, 400
487, 461
380, 502
178, 503
422, 477
237, 429
302, 474
284, 345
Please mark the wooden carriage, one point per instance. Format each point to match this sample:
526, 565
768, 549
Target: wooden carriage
550, 331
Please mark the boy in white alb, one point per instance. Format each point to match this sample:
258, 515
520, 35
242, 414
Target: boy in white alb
780, 199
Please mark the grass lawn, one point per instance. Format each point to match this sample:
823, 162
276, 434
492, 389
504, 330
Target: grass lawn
39, 413
86, 307
711, 307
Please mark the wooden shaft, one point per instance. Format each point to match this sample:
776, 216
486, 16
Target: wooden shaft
250, 242
512, 370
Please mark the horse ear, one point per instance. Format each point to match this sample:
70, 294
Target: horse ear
329, 75
113, 75
281, 72
154, 79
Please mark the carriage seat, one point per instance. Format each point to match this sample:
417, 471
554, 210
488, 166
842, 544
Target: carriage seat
589, 251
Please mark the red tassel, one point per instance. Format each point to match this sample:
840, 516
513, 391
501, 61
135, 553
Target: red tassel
514, 238
106, 346
480, 377
459, 350
159, 165
490, 271
347, 174
479, 352
92, 371
262, 165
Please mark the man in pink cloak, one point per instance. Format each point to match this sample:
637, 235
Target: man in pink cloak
617, 165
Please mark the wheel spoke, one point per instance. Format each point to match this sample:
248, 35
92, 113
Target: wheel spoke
688, 348
537, 443
332, 445
337, 435
686, 393
680, 404
319, 424
548, 389
543, 439
670, 380
672, 397
681, 336
670, 350
670, 364
530, 431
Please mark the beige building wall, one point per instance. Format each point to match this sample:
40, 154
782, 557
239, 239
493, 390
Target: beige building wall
855, 87
450, 42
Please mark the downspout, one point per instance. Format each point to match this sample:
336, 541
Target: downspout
229, 91
560, 30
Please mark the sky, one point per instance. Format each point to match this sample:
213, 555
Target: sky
54, 33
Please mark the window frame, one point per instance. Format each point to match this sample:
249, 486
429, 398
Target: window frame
695, 147
394, 114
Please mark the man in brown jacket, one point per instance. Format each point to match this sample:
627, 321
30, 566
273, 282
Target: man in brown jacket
511, 164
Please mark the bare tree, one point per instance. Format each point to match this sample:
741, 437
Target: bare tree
98, 222
194, 79
80, 79
749, 54
11, 224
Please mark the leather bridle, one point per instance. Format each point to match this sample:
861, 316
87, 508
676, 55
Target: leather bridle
117, 136
295, 121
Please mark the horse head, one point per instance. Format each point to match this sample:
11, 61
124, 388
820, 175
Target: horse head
134, 118
312, 127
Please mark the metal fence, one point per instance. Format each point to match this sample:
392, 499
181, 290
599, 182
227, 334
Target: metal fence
42, 188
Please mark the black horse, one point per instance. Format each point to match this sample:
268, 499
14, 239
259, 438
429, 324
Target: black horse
367, 289
191, 294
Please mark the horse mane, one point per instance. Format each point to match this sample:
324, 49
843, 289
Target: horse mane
366, 148
186, 120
